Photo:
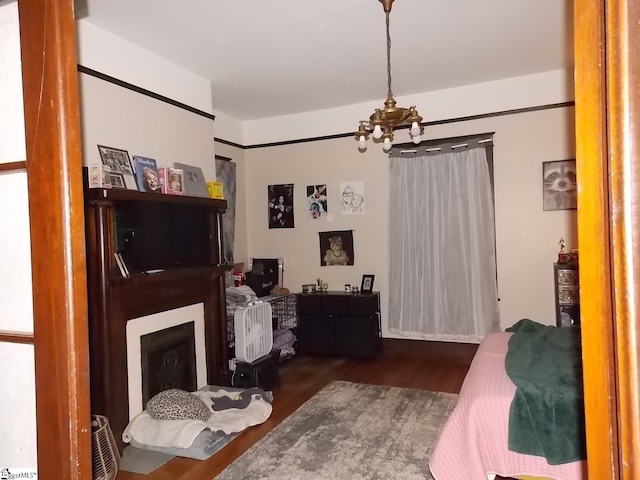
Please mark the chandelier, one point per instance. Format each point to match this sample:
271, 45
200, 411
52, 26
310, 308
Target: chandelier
383, 121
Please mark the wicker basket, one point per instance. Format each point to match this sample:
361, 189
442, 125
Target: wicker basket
105, 457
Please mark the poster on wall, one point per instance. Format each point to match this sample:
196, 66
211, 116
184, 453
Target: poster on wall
352, 197
316, 201
280, 198
336, 248
226, 174
559, 185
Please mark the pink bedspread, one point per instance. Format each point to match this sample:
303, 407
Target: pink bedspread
473, 442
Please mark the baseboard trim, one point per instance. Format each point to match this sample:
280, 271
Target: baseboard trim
432, 351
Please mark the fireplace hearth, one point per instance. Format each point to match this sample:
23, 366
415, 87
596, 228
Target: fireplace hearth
168, 360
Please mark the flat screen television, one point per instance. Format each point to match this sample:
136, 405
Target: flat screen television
158, 236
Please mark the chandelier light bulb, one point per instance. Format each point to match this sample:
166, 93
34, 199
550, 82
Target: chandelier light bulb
362, 142
377, 132
385, 120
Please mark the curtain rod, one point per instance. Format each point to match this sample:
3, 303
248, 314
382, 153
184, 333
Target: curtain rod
439, 149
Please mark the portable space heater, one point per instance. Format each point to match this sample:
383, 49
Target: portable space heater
255, 366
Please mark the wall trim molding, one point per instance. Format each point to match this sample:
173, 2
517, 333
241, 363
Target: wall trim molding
468, 118
162, 98
143, 91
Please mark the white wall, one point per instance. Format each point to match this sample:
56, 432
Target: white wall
18, 401
527, 237
114, 56
507, 94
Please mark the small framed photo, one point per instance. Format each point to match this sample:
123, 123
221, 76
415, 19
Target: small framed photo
367, 284
116, 179
118, 161
559, 185
194, 182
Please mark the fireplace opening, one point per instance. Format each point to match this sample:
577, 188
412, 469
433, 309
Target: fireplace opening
168, 360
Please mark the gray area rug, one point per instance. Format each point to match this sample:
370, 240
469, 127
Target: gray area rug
350, 431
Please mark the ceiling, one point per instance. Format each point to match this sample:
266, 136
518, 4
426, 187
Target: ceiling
267, 58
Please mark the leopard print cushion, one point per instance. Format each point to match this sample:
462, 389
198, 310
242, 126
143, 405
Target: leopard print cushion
177, 404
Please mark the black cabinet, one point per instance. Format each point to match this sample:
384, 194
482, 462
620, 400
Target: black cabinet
567, 287
339, 323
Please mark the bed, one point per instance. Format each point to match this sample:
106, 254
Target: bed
474, 442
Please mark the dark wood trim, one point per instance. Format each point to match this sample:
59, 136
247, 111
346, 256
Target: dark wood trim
226, 159
227, 142
143, 91
54, 176
16, 337
481, 116
428, 351
13, 167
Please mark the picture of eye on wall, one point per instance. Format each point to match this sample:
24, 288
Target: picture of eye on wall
559, 185
280, 198
336, 248
317, 201
352, 197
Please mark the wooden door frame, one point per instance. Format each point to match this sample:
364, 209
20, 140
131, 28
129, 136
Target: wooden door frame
607, 125
56, 205
607, 39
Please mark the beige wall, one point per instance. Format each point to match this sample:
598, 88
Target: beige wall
527, 237
117, 117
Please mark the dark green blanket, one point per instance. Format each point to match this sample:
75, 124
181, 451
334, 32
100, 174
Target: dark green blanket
547, 412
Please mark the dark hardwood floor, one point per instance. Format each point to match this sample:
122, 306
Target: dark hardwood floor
301, 378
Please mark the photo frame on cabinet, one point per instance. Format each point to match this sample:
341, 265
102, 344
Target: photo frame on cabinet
367, 284
194, 182
118, 161
559, 186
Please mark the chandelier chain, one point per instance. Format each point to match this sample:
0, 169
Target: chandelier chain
384, 121
389, 92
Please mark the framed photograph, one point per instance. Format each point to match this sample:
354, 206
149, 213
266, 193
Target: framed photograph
367, 284
118, 161
194, 182
116, 180
559, 187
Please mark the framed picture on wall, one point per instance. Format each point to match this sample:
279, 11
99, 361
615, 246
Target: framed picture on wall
559, 188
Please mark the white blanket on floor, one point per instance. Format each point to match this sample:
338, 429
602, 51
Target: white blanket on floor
181, 433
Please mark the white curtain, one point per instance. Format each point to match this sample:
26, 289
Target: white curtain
442, 247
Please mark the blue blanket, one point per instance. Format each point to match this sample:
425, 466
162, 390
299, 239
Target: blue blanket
547, 412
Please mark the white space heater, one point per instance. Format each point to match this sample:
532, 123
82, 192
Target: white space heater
253, 331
